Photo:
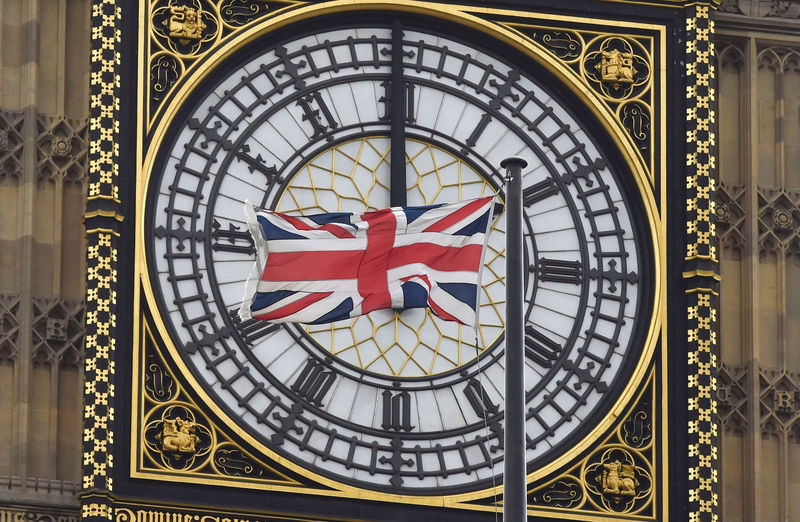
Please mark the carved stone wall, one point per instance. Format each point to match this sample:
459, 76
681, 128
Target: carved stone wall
44, 61
762, 8
758, 223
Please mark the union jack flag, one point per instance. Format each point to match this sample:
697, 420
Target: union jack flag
327, 267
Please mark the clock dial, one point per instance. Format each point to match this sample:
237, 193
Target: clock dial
349, 177
396, 401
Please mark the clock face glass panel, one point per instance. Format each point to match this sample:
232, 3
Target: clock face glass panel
397, 401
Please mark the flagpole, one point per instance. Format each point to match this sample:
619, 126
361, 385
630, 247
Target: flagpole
514, 486
397, 192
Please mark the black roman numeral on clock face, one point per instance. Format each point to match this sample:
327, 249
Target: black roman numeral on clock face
479, 400
472, 140
559, 271
539, 348
257, 164
312, 106
539, 191
313, 382
236, 239
252, 330
396, 411
386, 100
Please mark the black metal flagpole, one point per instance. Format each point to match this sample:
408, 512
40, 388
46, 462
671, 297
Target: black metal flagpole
398, 91
514, 487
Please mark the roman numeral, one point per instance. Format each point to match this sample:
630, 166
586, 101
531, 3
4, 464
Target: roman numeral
476, 133
386, 99
539, 348
410, 102
312, 115
539, 191
479, 399
234, 239
257, 163
558, 271
252, 330
313, 382
397, 411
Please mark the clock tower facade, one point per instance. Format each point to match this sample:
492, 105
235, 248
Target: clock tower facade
199, 106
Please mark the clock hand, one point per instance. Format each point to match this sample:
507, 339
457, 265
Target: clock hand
397, 187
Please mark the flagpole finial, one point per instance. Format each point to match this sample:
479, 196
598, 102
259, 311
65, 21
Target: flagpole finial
508, 162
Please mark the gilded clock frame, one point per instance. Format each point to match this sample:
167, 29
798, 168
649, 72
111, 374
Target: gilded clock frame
648, 169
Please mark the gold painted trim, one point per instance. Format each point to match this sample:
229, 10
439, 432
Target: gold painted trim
461, 14
678, 4
702, 307
188, 61
587, 38
102, 231
614, 439
104, 213
702, 273
661, 110
217, 515
98, 407
181, 398
104, 197
702, 291
96, 510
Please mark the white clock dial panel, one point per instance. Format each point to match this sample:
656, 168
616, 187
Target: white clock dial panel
396, 400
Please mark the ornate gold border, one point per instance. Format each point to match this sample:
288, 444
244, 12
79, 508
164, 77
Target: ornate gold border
583, 40
617, 439
172, 394
181, 60
101, 219
465, 15
701, 268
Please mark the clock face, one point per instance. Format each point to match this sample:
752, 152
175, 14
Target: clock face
396, 401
